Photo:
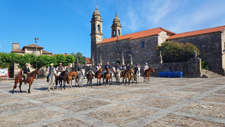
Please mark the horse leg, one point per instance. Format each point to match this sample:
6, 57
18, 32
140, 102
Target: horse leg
50, 83
15, 85
20, 86
29, 87
91, 82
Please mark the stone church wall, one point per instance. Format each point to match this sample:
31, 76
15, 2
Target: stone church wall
210, 49
113, 51
191, 68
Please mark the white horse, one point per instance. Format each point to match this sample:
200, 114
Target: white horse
51, 79
117, 75
137, 75
80, 77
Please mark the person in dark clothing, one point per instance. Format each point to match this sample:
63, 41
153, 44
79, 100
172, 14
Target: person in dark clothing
26, 71
128, 66
106, 67
135, 69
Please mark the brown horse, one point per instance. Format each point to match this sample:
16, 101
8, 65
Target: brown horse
99, 76
147, 73
70, 77
30, 79
107, 77
128, 75
90, 76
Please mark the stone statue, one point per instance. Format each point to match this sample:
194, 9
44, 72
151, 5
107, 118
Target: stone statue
195, 54
160, 57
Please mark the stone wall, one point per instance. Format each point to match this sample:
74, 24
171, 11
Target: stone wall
191, 68
15, 46
210, 48
113, 51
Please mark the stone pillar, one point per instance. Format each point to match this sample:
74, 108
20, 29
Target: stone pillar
160, 57
93, 61
101, 59
131, 60
123, 59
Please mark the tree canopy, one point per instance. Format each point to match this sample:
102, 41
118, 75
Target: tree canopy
176, 51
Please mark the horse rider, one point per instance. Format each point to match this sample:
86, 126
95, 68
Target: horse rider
146, 67
79, 68
26, 71
60, 69
123, 67
90, 69
106, 67
51, 70
117, 66
128, 66
135, 69
97, 69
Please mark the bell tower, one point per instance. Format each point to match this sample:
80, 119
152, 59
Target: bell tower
116, 27
96, 33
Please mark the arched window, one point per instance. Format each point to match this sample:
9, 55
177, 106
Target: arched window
99, 28
118, 32
114, 32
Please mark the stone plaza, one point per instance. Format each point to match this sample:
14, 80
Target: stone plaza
164, 102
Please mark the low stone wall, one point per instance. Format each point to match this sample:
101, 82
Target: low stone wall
191, 68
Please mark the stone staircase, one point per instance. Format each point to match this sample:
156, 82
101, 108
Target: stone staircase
209, 74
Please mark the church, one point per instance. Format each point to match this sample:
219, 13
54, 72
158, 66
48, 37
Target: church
139, 47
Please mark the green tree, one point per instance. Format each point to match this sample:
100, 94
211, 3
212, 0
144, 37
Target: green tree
177, 52
60, 58
80, 58
69, 59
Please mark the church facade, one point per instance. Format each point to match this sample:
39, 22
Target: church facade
139, 47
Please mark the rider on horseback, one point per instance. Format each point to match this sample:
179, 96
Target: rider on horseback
90, 69
106, 67
60, 69
135, 69
79, 68
51, 70
97, 69
26, 71
146, 67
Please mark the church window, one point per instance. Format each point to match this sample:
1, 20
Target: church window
118, 32
142, 44
99, 28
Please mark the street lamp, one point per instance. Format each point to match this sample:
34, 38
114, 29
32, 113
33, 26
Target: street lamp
36, 39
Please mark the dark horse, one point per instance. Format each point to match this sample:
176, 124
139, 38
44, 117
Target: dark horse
90, 76
62, 78
30, 79
147, 73
99, 76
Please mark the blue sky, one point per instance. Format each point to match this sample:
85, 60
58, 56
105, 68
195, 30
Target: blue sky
63, 26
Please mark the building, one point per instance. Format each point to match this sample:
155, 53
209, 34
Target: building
139, 47
29, 49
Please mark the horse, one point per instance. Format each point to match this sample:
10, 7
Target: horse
70, 77
137, 75
107, 77
60, 78
99, 76
30, 79
79, 78
90, 76
117, 75
122, 73
127, 75
147, 73
52, 80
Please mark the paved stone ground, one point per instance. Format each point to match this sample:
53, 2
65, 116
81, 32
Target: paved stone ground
184, 102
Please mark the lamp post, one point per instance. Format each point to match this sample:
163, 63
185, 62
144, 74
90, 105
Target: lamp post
36, 39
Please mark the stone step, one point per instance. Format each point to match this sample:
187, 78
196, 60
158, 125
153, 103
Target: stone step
209, 74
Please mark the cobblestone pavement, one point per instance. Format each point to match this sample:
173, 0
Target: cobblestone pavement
164, 102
